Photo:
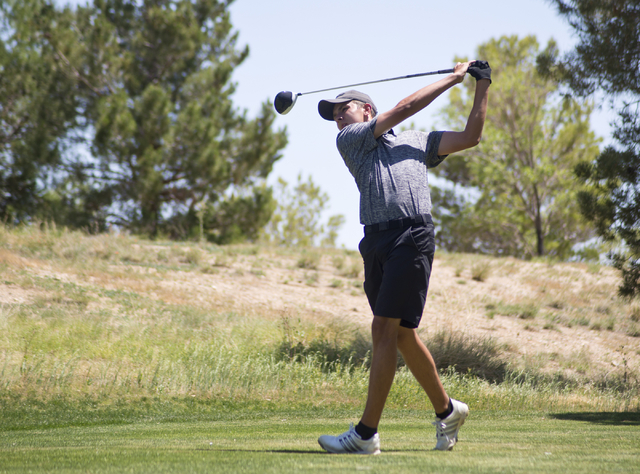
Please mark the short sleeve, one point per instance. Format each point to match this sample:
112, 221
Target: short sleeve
433, 143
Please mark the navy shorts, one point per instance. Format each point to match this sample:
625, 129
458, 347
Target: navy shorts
397, 267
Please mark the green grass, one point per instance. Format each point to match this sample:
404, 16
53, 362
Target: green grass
104, 369
258, 438
522, 311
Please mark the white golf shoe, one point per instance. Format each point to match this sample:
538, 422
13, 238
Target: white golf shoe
350, 442
447, 429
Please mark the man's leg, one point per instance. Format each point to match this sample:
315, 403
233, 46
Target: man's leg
384, 334
450, 414
422, 366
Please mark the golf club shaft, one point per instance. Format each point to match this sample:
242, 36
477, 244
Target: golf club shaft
410, 76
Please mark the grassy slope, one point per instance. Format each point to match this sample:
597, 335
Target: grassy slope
113, 315
117, 352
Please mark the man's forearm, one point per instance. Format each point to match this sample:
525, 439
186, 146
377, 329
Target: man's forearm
418, 100
475, 123
452, 142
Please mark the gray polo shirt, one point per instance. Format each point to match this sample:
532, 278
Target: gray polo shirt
391, 171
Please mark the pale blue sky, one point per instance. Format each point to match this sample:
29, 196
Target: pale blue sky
304, 46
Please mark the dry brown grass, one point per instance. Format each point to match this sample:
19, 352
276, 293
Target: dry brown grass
554, 318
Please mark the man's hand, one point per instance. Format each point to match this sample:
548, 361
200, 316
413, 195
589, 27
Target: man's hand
452, 142
460, 69
479, 70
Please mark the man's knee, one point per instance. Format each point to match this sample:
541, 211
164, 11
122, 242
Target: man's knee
384, 328
406, 336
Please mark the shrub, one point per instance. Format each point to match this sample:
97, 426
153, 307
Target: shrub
193, 256
522, 311
464, 354
480, 271
633, 331
352, 271
479, 356
354, 352
309, 260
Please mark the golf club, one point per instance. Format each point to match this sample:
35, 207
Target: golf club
285, 100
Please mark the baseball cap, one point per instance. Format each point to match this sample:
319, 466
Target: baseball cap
325, 107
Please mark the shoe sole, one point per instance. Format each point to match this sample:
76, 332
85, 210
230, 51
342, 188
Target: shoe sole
376, 452
362, 453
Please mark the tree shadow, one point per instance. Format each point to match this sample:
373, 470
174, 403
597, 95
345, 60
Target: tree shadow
602, 418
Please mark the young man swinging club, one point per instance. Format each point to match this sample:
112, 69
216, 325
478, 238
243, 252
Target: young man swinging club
398, 246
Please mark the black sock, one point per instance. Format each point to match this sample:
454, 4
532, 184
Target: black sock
445, 413
365, 432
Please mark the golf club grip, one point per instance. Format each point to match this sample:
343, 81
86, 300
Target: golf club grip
410, 76
432, 73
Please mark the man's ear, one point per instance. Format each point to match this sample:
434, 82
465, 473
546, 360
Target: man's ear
368, 111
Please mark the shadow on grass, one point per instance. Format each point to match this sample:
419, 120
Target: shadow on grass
299, 451
602, 418
263, 451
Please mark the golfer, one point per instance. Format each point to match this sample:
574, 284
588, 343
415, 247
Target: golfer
398, 246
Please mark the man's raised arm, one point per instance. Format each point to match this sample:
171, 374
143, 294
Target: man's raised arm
419, 100
452, 142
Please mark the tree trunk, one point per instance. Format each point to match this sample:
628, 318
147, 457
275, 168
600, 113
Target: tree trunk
539, 235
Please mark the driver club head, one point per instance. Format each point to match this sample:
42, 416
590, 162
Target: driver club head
284, 102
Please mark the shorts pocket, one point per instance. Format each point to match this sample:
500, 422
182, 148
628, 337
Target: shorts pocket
423, 238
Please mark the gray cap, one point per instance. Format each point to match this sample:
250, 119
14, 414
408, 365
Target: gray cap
325, 107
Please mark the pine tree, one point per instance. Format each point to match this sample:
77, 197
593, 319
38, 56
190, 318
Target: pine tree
37, 111
147, 88
159, 95
607, 58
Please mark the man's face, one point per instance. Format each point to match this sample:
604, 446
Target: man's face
346, 114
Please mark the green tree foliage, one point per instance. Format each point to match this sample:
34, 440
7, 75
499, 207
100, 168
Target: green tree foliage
297, 218
515, 194
607, 58
240, 216
147, 86
38, 111
157, 85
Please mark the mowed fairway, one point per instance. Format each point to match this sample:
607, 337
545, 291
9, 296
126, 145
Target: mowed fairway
286, 442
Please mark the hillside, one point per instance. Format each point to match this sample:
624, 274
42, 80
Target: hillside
560, 317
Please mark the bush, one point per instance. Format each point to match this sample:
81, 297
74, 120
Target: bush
309, 260
481, 271
354, 352
522, 311
478, 356
464, 354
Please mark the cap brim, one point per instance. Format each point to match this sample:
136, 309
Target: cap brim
325, 107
